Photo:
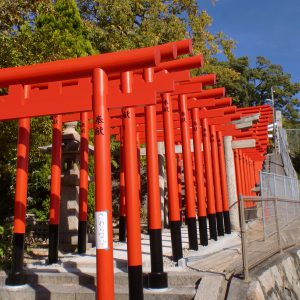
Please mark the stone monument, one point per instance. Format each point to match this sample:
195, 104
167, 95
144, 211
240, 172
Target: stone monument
69, 205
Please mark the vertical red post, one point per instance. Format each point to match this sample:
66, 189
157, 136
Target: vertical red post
243, 177
247, 184
84, 181
122, 208
237, 173
16, 276
248, 174
138, 156
179, 181
244, 163
211, 208
103, 197
157, 278
199, 170
223, 182
134, 248
250, 193
174, 212
55, 187
217, 181
242, 173
188, 174
253, 183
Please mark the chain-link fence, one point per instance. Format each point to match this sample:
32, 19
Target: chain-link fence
268, 225
282, 187
273, 185
284, 151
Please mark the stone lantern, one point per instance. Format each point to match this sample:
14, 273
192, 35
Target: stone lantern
69, 204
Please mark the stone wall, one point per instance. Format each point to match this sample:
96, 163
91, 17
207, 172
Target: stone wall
280, 279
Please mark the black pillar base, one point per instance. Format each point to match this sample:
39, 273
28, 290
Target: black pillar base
212, 226
122, 229
220, 223
53, 244
227, 222
135, 281
82, 227
16, 275
157, 279
203, 231
156, 250
175, 228
192, 233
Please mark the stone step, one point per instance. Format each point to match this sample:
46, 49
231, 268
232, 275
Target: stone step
211, 287
49, 291
178, 293
175, 279
76, 292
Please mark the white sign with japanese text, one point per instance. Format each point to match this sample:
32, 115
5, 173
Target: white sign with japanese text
101, 230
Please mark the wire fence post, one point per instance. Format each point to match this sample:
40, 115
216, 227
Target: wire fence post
286, 204
277, 225
244, 240
262, 204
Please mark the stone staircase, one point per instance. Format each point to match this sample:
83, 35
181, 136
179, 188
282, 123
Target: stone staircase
74, 276
43, 285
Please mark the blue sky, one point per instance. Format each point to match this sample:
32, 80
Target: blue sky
269, 28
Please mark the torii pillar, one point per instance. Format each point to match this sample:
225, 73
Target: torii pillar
69, 207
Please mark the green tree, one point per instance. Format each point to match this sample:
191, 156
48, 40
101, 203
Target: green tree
253, 85
119, 24
126, 24
35, 31
31, 32
60, 32
15, 16
45, 30
266, 75
57, 32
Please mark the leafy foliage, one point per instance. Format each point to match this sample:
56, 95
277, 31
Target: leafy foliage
45, 30
35, 31
5, 245
119, 24
293, 137
253, 85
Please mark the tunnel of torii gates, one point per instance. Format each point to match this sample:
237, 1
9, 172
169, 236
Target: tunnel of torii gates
140, 96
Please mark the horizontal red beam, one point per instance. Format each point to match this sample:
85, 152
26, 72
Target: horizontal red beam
115, 62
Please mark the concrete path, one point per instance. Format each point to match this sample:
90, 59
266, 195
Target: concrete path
203, 259
201, 274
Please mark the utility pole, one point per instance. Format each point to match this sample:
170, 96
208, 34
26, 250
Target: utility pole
274, 118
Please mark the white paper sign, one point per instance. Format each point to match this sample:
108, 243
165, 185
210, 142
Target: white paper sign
101, 229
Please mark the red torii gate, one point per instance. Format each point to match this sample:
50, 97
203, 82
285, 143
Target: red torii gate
209, 114
191, 86
27, 97
181, 89
17, 80
249, 161
171, 132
